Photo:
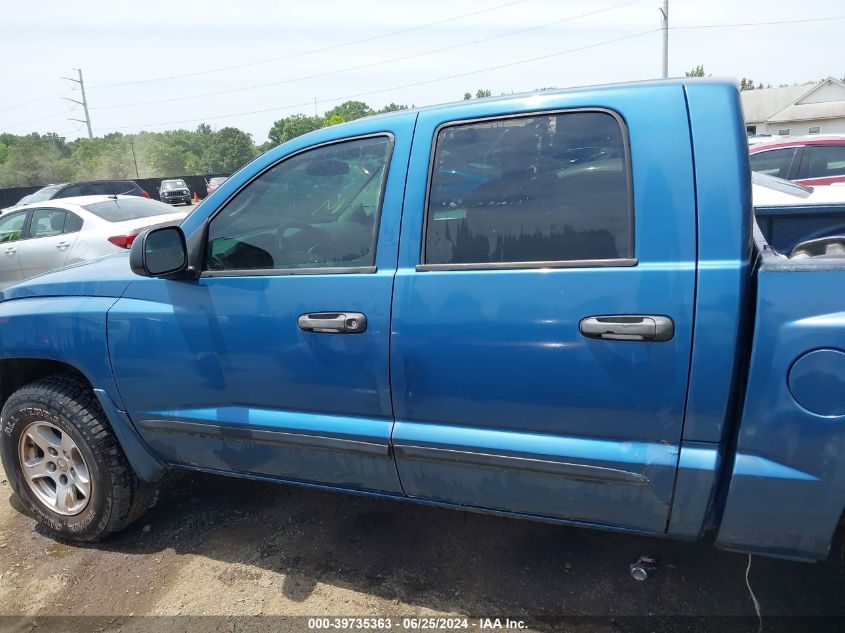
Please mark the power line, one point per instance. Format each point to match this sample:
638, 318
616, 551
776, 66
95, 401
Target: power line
367, 65
408, 85
38, 100
42, 118
309, 52
739, 24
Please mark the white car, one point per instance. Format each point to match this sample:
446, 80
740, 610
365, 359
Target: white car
39, 237
770, 191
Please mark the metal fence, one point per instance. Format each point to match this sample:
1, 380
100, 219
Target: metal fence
196, 184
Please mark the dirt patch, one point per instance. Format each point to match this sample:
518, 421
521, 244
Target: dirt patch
226, 547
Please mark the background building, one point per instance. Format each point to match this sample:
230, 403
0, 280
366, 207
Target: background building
817, 108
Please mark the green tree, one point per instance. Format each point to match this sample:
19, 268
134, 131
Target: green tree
349, 111
290, 127
230, 150
698, 71
392, 107
35, 159
747, 84
168, 155
479, 94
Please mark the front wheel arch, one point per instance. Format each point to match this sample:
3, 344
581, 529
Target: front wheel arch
18, 372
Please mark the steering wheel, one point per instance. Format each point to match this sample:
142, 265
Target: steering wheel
318, 238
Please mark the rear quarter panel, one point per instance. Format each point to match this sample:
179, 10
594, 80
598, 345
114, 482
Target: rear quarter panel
787, 487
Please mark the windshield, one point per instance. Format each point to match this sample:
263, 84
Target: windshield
130, 208
217, 180
41, 195
173, 184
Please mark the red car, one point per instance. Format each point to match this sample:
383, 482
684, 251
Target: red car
809, 160
212, 184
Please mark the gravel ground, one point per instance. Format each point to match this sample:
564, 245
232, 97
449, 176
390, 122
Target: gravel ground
226, 547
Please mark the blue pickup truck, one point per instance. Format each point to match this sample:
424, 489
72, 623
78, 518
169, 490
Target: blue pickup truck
553, 305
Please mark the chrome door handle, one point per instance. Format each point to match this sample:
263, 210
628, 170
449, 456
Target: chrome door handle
628, 327
11, 251
62, 245
333, 322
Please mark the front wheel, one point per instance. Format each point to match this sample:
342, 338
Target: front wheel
64, 462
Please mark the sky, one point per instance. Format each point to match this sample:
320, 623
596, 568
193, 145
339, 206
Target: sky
252, 62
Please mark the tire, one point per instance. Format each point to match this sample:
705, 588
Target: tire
62, 415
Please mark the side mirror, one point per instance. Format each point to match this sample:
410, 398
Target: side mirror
159, 252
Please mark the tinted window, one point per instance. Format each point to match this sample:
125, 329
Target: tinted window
47, 222
824, 161
73, 223
316, 209
774, 162
529, 189
70, 192
96, 189
118, 187
11, 226
127, 209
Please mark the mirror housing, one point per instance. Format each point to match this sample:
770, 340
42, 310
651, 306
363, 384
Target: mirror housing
161, 252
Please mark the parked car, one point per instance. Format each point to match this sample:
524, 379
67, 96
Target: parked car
614, 348
174, 191
810, 160
84, 188
213, 183
40, 237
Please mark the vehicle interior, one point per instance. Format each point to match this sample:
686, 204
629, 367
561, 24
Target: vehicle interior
315, 209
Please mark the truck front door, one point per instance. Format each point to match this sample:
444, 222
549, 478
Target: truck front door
275, 361
543, 305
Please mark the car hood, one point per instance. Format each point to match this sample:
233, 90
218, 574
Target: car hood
103, 277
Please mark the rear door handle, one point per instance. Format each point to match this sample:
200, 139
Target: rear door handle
628, 327
11, 251
333, 322
62, 245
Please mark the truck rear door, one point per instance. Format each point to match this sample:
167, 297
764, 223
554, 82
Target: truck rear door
543, 303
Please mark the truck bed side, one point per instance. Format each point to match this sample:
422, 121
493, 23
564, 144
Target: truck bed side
787, 488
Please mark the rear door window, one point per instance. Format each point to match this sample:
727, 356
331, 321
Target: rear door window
543, 188
775, 162
823, 161
47, 222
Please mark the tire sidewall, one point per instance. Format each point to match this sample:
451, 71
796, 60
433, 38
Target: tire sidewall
26, 407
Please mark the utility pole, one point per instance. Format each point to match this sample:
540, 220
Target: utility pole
83, 103
135, 160
665, 26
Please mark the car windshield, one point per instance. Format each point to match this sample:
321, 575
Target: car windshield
217, 181
173, 184
129, 208
45, 193
781, 185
